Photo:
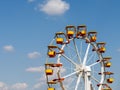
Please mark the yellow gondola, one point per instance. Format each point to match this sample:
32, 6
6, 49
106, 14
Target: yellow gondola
101, 47
52, 53
49, 72
108, 64
110, 80
59, 40
53, 50
92, 36
81, 31
70, 31
51, 88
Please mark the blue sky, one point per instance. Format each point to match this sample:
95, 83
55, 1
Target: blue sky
28, 26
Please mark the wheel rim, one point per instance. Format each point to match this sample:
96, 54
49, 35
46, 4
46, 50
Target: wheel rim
82, 62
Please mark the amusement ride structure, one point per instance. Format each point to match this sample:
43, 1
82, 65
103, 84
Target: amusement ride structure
75, 61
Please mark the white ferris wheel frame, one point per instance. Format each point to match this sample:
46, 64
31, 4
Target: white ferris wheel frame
81, 69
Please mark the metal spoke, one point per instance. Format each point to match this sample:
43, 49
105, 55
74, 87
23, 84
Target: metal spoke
52, 41
70, 74
67, 58
95, 79
90, 57
94, 64
76, 49
86, 54
81, 49
78, 81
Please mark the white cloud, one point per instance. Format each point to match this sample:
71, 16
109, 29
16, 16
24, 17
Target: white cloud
3, 86
35, 69
41, 83
42, 80
33, 55
54, 7
38, 85
8, 48
19, 86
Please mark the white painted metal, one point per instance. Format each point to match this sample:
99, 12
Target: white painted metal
86, 55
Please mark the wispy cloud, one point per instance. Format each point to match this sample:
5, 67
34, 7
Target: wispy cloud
34, 55
41, 82
3, 86
35, 69
39, 85
16, 86
19, 86
54, 7
8, 48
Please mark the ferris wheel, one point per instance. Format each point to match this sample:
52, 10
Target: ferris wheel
75, 61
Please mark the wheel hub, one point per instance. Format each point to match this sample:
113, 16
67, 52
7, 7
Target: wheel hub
83, 69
